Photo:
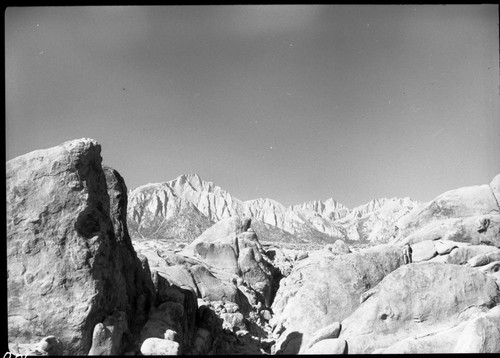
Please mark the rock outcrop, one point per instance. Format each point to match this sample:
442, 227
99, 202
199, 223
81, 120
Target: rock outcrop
228, 272
469, 214
329, 346
419, 301
323, 289
71, 264
463, 254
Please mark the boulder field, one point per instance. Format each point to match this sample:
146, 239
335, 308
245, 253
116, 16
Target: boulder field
79, 284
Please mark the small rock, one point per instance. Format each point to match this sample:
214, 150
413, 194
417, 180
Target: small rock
158, 346
339, 246
266, 314
50, 345
242, 332
170, 335
478, 260
482, 224
302, 255
231, 307
202, 302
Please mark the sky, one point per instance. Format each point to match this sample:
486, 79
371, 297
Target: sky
289, 102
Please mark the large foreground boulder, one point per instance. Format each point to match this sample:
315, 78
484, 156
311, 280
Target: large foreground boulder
324, 289
70, 260
461, 255
469, 214
419, 301
481, 335
328, 346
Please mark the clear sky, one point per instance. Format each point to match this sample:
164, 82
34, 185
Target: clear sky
293, 103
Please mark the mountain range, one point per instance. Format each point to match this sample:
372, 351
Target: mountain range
181, 209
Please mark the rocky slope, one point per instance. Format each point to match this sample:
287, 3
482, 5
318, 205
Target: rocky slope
193, 205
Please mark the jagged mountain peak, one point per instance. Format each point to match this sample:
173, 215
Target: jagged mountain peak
334, 202
150, 187
194, 180
319, 205
329, 209
377, 203
312, 219
265, 201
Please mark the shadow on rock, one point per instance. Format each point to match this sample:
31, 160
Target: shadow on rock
291, 345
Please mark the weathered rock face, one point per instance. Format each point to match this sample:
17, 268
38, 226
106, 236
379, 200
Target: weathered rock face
328, 346
418, 300
107, 336
141, 293
423, 251
480, 335
232, 246
468, 214
326, 288
495, 187
223, 232
461, 255
70, 260
212, 288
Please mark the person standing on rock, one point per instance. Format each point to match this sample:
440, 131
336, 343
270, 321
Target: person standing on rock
407, 251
